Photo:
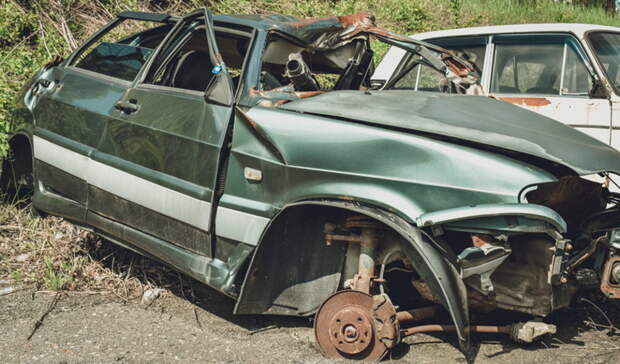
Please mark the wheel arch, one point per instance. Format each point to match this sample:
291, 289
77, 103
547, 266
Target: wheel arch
295, 280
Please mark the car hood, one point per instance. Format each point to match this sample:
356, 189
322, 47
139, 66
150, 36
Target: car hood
476, 119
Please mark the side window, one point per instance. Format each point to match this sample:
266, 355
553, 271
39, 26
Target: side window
409, 80
469, 49
577, 79
122, 50
186, 63
291, 66
543, 65
430, 80
423, 78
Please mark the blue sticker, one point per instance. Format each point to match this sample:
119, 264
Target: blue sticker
216, 69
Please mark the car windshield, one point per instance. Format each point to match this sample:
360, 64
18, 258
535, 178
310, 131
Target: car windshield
606, 46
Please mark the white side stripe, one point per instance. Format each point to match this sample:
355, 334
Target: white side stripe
168, 202
239, 226
231, 224
155, 197
73, 163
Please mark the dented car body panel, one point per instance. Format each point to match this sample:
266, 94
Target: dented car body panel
459, 118
226, 154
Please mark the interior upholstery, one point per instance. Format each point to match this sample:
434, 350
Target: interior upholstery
193, 71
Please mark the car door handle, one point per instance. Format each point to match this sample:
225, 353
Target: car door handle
127, 107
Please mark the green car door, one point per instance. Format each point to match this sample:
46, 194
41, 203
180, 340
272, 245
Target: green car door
72, 103
156, 166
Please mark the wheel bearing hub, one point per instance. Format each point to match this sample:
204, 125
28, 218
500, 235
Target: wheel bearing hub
351, 330
354, 325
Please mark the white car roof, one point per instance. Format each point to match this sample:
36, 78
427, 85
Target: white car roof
393, 56
577, 29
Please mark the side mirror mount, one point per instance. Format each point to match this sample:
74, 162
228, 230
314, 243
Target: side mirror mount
597, 91
220, 88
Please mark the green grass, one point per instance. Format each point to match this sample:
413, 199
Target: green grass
496, 12
32, 31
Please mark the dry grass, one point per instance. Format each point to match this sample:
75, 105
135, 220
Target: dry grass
53, 254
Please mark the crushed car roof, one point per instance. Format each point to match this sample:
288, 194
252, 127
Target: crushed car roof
307, 30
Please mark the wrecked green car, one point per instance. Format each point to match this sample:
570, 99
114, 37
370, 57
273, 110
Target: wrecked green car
251, 153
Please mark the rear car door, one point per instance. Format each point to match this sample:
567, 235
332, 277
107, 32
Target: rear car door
157, 162
72, 103
551, 75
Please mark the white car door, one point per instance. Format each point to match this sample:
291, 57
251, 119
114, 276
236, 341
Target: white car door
546, 73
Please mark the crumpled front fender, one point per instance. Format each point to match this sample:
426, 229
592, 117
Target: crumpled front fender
432, 266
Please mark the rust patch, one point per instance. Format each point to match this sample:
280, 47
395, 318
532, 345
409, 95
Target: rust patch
363, 18
610, 289
526, 101
351, 324
479, 240
455, 66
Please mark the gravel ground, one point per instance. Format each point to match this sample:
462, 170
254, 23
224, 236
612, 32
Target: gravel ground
98, 328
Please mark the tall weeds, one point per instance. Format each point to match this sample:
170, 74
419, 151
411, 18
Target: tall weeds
53, 254
33, 31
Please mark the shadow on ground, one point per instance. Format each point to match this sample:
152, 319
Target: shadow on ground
152, 273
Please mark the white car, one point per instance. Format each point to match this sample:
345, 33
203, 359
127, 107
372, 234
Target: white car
569, 72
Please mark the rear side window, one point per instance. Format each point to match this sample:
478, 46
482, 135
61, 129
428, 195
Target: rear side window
539, 64
123, 49
117, 60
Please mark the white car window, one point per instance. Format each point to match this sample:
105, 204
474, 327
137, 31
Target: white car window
576, 76
544, 65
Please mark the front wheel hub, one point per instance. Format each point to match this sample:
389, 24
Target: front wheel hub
351, 330
348, 325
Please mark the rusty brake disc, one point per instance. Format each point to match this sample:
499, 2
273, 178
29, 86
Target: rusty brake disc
352, 325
